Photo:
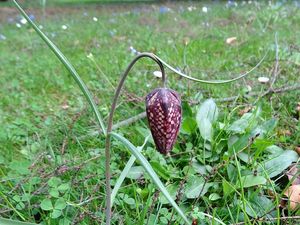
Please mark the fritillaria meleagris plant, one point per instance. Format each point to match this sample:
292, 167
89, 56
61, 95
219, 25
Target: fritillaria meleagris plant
163, 108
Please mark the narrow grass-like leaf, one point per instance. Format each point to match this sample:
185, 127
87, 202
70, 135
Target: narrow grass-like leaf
11, 206
68, 66
151, 172
125, 172
14, 222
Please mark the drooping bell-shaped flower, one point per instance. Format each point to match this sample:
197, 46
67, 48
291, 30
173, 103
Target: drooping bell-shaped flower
163, 108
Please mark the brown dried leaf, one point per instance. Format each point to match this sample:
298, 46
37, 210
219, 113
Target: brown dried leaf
297, 149
293, 195
294, 174
245, 110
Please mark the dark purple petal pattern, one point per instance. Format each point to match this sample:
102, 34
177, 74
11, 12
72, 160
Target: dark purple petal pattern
163, 108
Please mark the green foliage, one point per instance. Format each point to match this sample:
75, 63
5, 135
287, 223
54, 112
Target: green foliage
51, 164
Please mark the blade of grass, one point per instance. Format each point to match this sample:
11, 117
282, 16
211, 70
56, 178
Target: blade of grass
125, 172
10, 205
14, 222
68, 66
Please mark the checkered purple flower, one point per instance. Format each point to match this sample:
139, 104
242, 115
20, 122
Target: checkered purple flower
163, 108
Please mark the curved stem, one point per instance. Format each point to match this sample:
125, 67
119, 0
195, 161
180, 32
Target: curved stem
110, 124
212, 81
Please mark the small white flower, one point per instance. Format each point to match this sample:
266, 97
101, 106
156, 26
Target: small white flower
95, 19
41, 27
157, 74
23, 21
18, 25
204, 9
64, 27
263, 80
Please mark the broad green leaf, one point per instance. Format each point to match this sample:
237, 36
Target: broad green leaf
151, 173
56, 213
172, 189
188, 125
260, 144
160, 170
206, 115
205, 128
237, 143
198, 167
54, 193
245, 157
214, 197
135, 172
186, 109
64, 221
60, 204
21, 167
274, 150
231, 172
227, 187
251, 180
14, 222
265, 128
63, 187
196, 186
278, 163
209, 110
241, 124
46, 204
54, 182
259, 206
125, 198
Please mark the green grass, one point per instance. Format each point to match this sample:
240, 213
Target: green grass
44, 145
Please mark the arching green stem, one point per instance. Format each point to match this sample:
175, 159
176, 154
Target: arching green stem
110, 124
212, 81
